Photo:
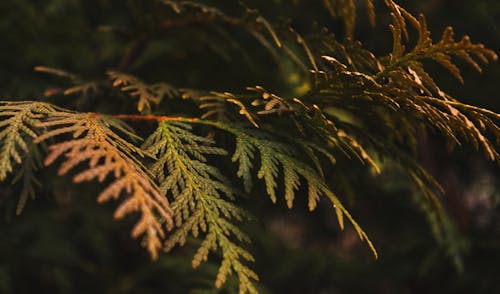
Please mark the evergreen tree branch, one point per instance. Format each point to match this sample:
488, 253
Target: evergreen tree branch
440, 52
26, 174
148, 94
18, 128
201, 199
274, 155
109, 154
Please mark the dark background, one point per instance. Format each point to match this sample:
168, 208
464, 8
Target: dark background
64, 243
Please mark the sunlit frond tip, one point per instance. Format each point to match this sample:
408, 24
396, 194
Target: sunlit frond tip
93, 140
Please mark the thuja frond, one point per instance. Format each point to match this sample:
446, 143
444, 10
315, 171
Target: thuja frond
354, 104
262, 103
311, 122
213, 106
32, 162
218, 105
202, 200
78, 86
473, 124
315, 134
330, 52
18, 128
92, 139
356, 92
148, 94
276, 159
440, 52
398, 111
407, 90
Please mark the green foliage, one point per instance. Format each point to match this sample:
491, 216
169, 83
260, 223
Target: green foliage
26, 174
18, 125
18, 128
275, 154
202, 199
352, 110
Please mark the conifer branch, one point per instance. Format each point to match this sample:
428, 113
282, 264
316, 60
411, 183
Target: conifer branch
440, 52
26, 174
94, 141
353, 104
275, 156
148, 94
18, 128
201, 199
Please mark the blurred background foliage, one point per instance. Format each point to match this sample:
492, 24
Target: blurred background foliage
65, 243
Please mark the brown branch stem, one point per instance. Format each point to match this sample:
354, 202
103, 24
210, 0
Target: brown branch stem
157, 118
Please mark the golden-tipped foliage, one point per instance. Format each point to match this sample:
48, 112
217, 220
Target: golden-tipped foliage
312, 121
354, 106
400, 84
219, 106
92, 139
394, 97
441, 52
202, 200
148, 94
